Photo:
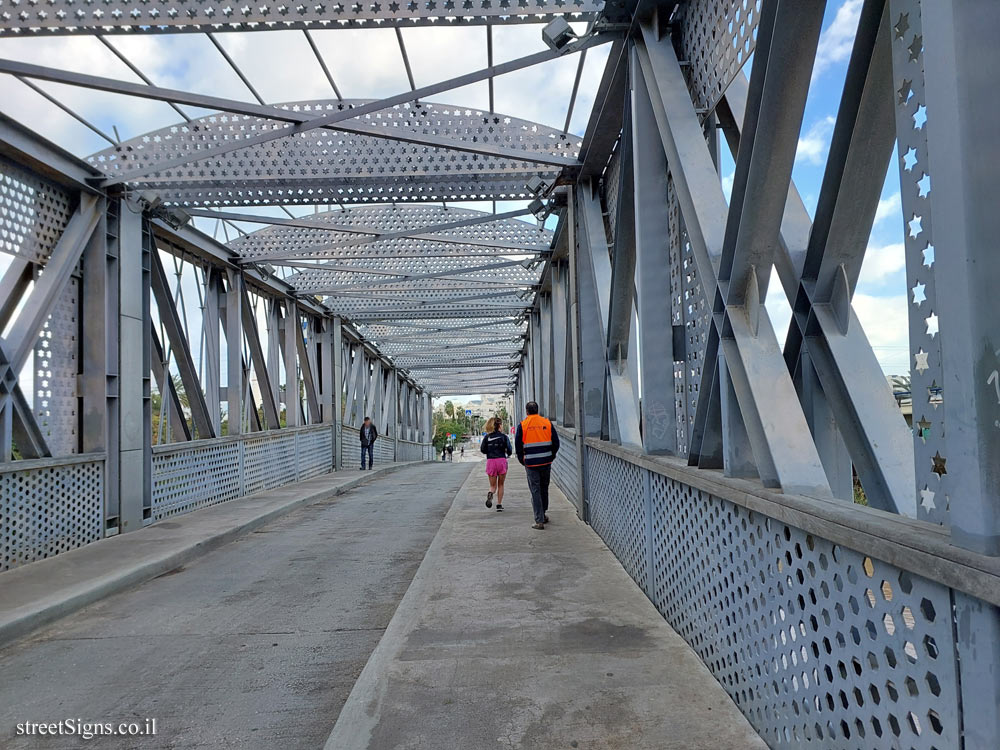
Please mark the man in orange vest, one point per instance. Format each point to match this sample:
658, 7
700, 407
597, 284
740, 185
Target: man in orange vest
536, 444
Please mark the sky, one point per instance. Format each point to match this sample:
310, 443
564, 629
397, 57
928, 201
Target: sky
367, 63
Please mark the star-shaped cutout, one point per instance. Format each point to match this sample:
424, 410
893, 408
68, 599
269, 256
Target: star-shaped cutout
916, 47
902, 25
905, 91
928, 253
910, 159
939, 462
927, 498
924, 185
920, 117
923, 428
918, 293
920, 359
914, 225
932, 324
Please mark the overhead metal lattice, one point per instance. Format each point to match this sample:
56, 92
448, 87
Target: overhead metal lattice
387, 267
374, 163
124, 16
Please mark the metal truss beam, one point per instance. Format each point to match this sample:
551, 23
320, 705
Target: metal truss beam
120, 17
417, 233
782, 444
180, 348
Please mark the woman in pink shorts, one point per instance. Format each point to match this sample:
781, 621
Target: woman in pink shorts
496, 446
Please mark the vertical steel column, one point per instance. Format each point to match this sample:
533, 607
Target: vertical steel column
575, 356
593, 273
337, 389
234, 351
210, 324
133, 370
274, 350
546, 397
964, 120
652, 270
99, 354
293, 405
961, 58
428, 427
560, 332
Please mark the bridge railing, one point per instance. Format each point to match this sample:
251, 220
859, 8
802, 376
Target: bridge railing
50, 505
827, 623
192, 475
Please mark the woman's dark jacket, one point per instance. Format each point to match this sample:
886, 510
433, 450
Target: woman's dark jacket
496, 445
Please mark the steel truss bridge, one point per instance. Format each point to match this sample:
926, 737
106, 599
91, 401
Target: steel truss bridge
148, 369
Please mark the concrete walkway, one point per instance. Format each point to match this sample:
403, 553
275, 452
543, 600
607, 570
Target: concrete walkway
256, 644
514, 638
39, 593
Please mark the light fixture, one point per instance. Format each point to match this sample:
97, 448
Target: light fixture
557, 34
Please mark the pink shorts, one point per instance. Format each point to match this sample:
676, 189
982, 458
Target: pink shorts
496, 466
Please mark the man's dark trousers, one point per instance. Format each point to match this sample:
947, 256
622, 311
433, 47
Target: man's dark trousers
367, 449
538, 483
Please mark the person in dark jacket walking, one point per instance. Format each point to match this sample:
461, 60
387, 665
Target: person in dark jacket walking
368, 437
536, 444
496, 446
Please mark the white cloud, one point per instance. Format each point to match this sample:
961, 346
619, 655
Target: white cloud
886, 325
882, 262
888, 207
837, 39
813, 146
727, 184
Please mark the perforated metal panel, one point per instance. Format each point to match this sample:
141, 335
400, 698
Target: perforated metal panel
926, 372
385, 451
407, 451
35, 213
111, 16
205, 472
690, 310
717, 37
616, 497
201, 474
323, 166
269, 461
564, 468
820, 646
314, 452
45, 510
55, 375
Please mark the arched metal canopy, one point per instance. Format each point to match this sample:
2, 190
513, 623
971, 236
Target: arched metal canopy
411, 152
443, 291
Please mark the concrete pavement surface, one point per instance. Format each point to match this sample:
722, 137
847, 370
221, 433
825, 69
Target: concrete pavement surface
255, 644
514, 638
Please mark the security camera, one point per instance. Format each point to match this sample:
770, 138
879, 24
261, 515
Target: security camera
557, 34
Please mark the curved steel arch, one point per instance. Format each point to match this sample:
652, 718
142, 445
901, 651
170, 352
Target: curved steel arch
173, 16
453, 296
385, 156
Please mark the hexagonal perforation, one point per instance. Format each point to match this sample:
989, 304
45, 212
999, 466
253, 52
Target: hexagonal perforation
793, 626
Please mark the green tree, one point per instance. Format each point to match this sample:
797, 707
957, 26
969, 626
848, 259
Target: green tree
449, 409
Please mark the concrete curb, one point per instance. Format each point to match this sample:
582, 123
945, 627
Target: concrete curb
360, 711
23, 620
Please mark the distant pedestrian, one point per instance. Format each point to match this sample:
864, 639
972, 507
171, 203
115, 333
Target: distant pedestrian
496, 446
368, 437
443, 452
463, 452
451, 452
537, 443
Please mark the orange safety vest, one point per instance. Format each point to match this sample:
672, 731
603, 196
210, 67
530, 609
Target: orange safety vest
536, 435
